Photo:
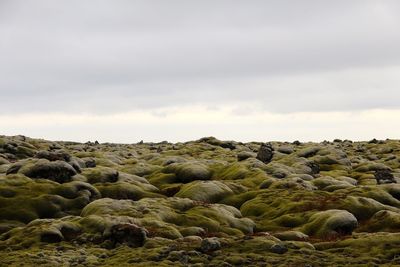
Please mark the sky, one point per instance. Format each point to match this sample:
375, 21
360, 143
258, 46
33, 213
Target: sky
153, 70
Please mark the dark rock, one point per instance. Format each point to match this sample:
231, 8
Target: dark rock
373, 141
211, 140
265, 153
70, 232
384, 177
279, 174
53, 155
58, 171
210, 244
51, 237
228, 144
296, 143
10, 148
278, 248
314, 167
89, 162
129, 234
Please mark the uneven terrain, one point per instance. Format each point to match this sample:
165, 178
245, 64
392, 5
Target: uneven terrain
200, 203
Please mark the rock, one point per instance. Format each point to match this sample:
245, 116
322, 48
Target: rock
53, 155
373, 141
228, 144
308, 151
14, 168
129, 234
285, 149
101, 175
89, 162
314, 167
292, 236
51, 237
278, 248
384, 177
265, 153
58, 171
330, 223
243, 155
210, 245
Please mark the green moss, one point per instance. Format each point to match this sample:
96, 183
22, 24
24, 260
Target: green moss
234, 171
42, 198
189, 171
122, 190
237, 200
100, 175
330, 223
205, 191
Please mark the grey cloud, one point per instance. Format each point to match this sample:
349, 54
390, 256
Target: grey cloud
112, 56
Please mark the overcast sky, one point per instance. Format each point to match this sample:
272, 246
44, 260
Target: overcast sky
127, 70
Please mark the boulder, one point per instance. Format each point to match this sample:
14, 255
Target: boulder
210, 244
126, 233
265, 153
330, 223
53, 155
58, 171
384, 177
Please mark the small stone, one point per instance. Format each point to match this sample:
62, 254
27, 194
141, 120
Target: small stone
210, 244
279, 248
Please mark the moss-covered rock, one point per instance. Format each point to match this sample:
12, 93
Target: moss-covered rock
58, 171
205, 191
167, 216
23, 199
330, 223
101, 175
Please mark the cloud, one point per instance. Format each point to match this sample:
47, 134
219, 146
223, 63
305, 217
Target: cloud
103, 57
188, 123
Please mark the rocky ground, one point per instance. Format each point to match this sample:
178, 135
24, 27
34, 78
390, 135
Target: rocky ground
201, 203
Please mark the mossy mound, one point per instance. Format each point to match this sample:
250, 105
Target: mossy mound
169, 217
189, 171
24, 199
205, 191
330, 223
58, 171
